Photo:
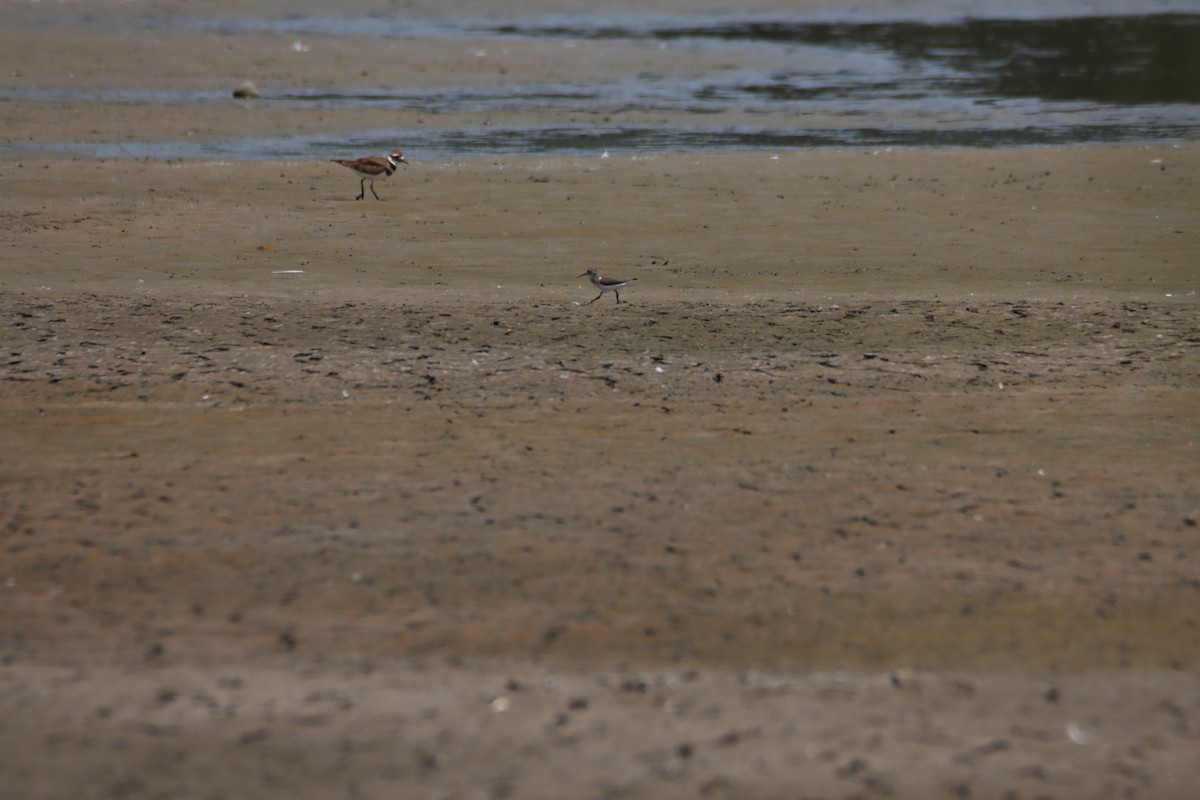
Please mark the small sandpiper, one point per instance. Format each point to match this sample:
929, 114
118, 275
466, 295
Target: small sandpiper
604, 284
373, 168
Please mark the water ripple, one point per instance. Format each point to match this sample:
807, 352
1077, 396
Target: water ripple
957, 81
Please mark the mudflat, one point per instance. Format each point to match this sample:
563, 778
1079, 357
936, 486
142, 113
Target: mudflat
880, 480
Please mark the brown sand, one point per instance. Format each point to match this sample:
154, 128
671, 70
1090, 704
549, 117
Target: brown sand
880, 482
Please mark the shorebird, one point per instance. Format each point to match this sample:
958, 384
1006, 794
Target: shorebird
604, 284
372, 168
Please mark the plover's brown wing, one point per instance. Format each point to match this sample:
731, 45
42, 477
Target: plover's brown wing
371, 165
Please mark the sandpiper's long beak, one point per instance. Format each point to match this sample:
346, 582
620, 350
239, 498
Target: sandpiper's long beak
580, 275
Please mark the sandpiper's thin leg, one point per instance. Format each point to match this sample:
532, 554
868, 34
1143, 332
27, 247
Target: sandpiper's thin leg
362, 189
618, 295
594, 299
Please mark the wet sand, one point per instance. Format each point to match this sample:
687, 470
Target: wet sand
879, 482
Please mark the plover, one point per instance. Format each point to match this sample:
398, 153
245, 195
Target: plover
373, 168
606, 284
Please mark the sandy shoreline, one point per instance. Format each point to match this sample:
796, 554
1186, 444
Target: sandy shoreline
257, 513
487, 730
1027, 224
880, 481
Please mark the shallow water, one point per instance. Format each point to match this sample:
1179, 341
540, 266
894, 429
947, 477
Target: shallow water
929, 81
